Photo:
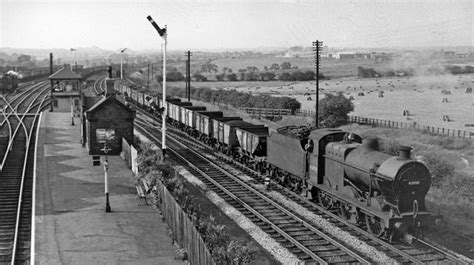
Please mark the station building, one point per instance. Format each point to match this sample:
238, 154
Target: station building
65, 91
107, 122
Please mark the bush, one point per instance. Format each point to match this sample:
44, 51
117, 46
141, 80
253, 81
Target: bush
451, 143
439, 167
334, 110
239, 99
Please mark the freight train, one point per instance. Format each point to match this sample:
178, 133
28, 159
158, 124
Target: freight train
343, 173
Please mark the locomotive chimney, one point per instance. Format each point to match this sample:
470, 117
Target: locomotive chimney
404, 153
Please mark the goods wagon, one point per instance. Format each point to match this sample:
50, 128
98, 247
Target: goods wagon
204, 123
252, 141
188, 115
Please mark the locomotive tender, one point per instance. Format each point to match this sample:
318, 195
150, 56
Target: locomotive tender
383, 193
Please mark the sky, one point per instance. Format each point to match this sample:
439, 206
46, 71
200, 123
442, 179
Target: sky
235, 24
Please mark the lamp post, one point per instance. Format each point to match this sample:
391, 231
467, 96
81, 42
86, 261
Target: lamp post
163, 33
121, 63
106, 150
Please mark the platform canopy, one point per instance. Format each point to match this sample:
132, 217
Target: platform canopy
65, 74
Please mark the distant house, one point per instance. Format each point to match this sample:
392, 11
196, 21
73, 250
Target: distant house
345, 55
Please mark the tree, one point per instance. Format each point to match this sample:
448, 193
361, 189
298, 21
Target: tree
220, 77
285, 65
275, 66
285, 76
224, 69
265, 68
208, 67
334, 110
199, 77
232, 77
267, 76
252, 68
174, 76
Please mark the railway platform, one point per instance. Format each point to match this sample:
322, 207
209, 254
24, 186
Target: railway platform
71, 225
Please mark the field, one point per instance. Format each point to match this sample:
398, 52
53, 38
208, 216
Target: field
421, 96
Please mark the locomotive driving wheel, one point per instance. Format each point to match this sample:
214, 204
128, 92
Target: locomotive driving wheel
344, 211
374, 225
325, 200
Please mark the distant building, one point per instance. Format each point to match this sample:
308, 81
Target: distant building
345, 55
463, 54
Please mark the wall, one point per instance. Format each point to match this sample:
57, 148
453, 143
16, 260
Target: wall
64, 104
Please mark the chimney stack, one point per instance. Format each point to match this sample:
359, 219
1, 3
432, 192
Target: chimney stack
50, 63
109, 83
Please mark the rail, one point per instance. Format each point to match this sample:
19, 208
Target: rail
23, 173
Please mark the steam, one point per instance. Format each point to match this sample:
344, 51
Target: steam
11, 72
426, 63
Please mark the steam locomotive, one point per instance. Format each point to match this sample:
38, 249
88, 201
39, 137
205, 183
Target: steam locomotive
337, 169
9, 82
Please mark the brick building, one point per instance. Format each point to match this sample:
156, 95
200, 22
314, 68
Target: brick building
107, 122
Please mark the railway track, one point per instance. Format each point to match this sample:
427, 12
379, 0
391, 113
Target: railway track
298, 236
99, 86
419, 252
16, 177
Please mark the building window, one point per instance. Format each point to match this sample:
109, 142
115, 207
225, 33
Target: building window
55, 103
76, 102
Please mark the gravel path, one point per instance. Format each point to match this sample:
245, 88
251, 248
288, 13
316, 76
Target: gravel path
273, 247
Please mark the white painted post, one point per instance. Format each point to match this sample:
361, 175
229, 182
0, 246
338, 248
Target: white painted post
163, 133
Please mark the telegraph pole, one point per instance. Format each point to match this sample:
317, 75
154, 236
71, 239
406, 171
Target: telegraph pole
148, 77
317, 47
188, 75
164, 34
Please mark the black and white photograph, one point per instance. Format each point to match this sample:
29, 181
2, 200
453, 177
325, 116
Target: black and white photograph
236, 132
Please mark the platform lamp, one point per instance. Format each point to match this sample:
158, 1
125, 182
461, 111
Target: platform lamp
163, 34
121, 63
106, 150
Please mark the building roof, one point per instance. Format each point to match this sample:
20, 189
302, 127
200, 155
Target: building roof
104, 101
64, 74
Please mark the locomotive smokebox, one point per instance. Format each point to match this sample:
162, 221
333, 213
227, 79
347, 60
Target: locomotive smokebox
404, 153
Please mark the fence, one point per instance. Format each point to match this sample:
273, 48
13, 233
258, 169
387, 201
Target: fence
367, 121
278, 112
267, 112
411, 126
184, 231
130, 155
